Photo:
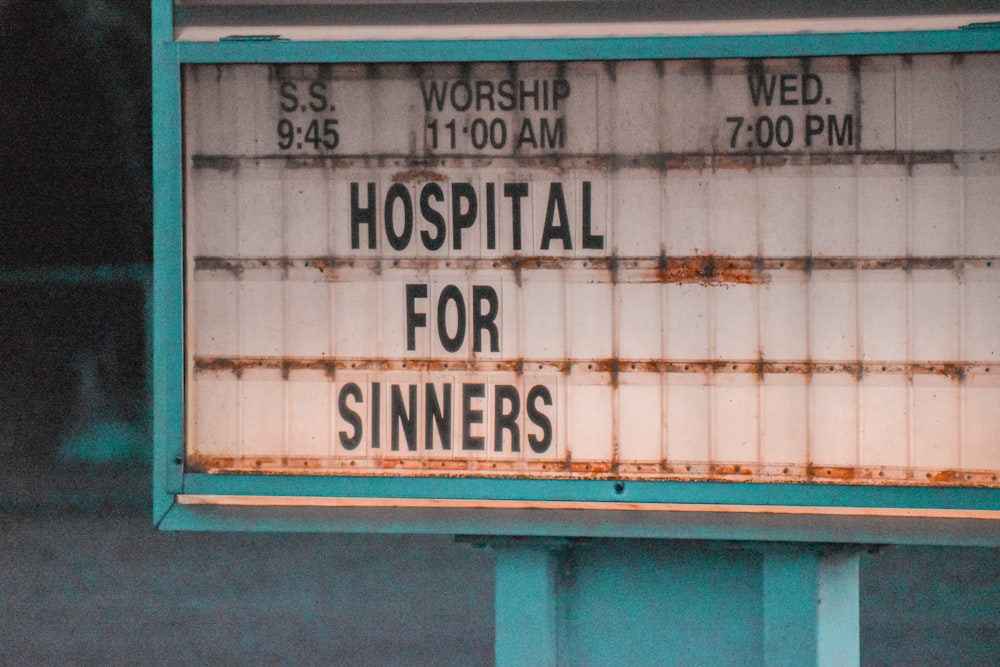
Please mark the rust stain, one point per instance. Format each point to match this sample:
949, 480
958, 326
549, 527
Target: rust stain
641, 468
450, 464
668, 162
838, 473
612, 366
932, 157
883, 158
220, 162
946, 477
200, 464
235, 267
786, 368
831, 159
733, 161
322, 264
658, 161
727, 470
523, 263
710, 270
419, 174
775, 160
220, 364
514, 365
951, 371
589, 468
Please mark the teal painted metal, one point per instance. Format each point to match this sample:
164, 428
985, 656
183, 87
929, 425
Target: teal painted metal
603, 523
789, 608
524, 603
641, 48
839, 609
733, 493
652, 602
574, 523
168, 317
168, 254
811, 608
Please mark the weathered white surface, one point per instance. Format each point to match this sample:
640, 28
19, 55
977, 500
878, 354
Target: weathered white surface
699, 286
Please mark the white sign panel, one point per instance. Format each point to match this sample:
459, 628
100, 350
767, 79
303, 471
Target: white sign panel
783, 269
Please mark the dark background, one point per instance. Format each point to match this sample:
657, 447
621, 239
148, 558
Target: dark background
84, 576
76, 196
75, 86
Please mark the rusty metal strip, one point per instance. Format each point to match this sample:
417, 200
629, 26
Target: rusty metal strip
569, 469
462, 503
697, 269
237, 365
422, 167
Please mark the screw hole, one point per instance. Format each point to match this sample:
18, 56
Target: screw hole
619, 487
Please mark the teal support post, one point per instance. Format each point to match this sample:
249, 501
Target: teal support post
839, 611
525, 605
811, 608
168, 264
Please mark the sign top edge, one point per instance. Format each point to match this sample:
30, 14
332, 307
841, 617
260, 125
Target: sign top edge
430, 30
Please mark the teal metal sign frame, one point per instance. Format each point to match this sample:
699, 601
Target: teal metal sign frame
601, 508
